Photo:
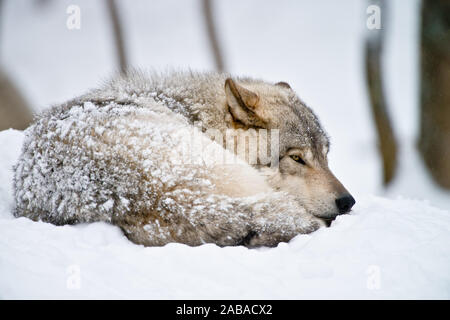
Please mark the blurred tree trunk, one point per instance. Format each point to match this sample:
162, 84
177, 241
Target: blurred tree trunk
212, 34
434, 140
118, 35
14, 111
387, 144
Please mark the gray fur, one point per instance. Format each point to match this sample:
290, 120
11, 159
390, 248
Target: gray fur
113, 155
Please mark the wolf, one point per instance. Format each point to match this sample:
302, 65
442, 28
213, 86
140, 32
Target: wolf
118, 154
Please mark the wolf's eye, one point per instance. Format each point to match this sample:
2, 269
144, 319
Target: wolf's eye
296, 158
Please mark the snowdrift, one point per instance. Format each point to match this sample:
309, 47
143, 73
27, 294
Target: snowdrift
384, 249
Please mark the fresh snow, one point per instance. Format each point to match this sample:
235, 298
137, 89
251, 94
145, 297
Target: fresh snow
383, 249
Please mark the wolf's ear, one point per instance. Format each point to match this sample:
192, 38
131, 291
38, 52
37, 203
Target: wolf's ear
243, 104
283, 84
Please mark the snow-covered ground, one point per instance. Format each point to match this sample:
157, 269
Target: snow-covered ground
384, 249
395, 244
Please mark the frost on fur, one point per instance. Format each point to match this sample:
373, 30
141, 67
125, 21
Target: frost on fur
113, 155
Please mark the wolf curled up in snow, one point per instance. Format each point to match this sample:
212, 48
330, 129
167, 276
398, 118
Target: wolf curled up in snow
118, 154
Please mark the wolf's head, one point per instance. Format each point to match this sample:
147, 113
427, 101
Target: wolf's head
303, 145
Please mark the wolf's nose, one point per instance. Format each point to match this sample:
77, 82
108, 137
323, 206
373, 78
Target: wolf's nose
345, 203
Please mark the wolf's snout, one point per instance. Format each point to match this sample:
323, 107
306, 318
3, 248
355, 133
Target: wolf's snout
345, 203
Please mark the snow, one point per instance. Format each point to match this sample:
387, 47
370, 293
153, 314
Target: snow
394, 244
384, 249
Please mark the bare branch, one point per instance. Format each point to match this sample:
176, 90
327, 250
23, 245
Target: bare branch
212, 34
387, 143
118, 34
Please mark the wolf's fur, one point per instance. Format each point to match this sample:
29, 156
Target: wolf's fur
114, 155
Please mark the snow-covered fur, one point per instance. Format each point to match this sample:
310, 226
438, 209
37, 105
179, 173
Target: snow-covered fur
117, 154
